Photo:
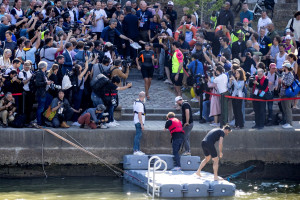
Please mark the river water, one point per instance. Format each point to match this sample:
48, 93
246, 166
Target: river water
91, 188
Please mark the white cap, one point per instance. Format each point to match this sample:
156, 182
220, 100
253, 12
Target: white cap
178, 98
109, 44
288, 37
287, 65
288, 30
170, 3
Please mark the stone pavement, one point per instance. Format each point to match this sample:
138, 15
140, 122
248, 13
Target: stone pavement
161, 94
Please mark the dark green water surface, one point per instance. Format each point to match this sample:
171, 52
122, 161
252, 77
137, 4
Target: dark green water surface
91, 188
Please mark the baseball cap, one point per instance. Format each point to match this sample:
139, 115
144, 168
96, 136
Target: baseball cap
170, 3
236, 61
178, 98
288, 37
272, 65
288, 30
287, 65
109, 44
101, 107
245, 20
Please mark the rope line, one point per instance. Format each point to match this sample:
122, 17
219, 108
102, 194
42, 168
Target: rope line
86, 151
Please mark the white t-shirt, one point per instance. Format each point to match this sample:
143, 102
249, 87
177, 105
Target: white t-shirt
296, 27
221, 82
100, 23
263, 23
138, 107
28, 76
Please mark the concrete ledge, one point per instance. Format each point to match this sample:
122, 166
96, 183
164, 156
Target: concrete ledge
24, 146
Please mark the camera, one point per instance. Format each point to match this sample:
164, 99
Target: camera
53, 86
201, 86
126, 83
155, 6
126, 63
251, 79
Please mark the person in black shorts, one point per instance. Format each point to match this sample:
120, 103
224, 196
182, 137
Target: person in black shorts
208, 146
147, 66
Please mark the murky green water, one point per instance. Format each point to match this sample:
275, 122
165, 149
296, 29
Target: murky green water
115, 189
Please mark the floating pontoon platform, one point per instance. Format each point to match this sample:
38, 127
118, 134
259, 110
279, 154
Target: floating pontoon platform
160, 181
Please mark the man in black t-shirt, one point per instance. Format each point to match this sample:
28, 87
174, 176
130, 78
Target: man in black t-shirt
208, 146
173, 15
187, 121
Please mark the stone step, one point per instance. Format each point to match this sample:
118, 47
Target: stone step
155, 117
164, 111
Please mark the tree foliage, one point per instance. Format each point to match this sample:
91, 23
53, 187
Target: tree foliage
206, 7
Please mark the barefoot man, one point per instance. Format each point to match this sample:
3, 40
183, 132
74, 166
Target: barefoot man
208, 146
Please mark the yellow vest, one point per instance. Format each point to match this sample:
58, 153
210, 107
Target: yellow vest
235, 38
175, 64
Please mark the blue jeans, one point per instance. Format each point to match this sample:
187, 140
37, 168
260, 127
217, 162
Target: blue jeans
96, 100
43, 104
77, 96
206, 111
111, 113
176, 144
137, 138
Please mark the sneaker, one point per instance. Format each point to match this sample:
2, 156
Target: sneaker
76, 124
287, 126
176, 169
111, 124
141, 153
116, 123
4, 125
194, 100
81, 126
232, 123
138, 153
215, 124
168, 82
102, 126
186, 154
197, 113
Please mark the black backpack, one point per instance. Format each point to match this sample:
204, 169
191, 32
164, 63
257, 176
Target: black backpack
32, 83
18, 122
108, 73
99, 84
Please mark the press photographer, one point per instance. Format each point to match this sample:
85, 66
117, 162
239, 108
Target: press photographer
259, 89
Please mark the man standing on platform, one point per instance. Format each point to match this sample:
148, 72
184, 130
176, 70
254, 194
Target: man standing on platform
209, 150
187, 121
175, 127
139, 111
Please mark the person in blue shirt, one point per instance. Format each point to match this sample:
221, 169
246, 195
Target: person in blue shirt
246, 13
144, 16
130, 27
110, 32
196, 67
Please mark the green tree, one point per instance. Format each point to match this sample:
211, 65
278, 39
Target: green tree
205, 7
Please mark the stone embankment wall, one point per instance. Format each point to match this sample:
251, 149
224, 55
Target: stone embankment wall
22, 148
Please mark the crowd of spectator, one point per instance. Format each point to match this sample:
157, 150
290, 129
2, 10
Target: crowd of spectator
73, 59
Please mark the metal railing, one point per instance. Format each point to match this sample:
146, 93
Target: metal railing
151, 179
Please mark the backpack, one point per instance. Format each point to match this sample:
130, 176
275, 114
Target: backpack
100, 82
18, 122
32, 83
108, 73
143, 106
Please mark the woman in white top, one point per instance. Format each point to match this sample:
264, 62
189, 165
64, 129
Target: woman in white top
238, 82
280, 57
19, 52
293, 61
5, 62
254, 39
